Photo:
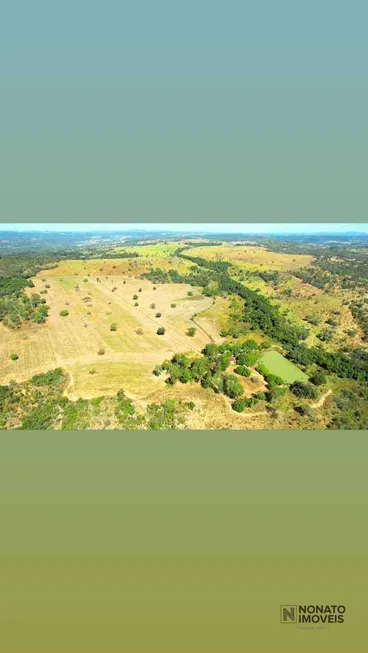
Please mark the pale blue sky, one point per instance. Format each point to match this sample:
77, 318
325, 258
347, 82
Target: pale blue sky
261, 228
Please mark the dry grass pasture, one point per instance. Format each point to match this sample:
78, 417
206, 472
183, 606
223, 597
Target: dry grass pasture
73, 342
253, 258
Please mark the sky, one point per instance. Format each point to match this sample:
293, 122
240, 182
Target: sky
200, 110
187, 227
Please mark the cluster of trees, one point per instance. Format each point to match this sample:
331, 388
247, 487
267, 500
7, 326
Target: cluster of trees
210, 369
196, 276
16, 309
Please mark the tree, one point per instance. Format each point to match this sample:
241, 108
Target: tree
161, 331
318, 378
186, 375
232, 387
306, 390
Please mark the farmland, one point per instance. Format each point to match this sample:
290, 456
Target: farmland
74, 341
183, 334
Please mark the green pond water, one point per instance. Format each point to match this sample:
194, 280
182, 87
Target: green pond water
276, 363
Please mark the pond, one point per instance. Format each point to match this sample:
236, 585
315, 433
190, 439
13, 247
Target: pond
276, 363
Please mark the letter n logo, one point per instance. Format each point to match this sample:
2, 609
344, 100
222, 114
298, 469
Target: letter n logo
288, 614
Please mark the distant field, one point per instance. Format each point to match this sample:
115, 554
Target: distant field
153, 249
277, 364
73, 342
252, 258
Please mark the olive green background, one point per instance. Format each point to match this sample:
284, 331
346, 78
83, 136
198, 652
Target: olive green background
181, 541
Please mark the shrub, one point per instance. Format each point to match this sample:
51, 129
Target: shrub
139, 332
152, 306
101, 351
173, 305
318, 378
64, 313
189, 293
140, 290
14, 357
136, 304
158, 314
161, 331
239, 405
53, 377
231, 386
135, 296
242, 370
191, 331
307, 390
113, 327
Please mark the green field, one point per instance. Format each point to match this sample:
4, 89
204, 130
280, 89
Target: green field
276, 363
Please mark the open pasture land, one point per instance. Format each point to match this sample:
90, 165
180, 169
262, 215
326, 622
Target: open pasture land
73, 342
277, 364
127, 267
252, 258
151, 249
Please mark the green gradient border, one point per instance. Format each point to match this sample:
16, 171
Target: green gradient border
181, 541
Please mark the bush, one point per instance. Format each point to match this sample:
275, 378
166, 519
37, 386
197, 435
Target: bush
152, 306
189, 293
161, 331
101, 351
191, 331
318, 378
242, 370
136, 304
135, 296
158, 314
113, 327
140, 290
64, 313
173, 305
239, 405
232, 387
53, 377
14, 357
307, 390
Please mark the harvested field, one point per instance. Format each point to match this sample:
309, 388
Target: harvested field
73, 342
